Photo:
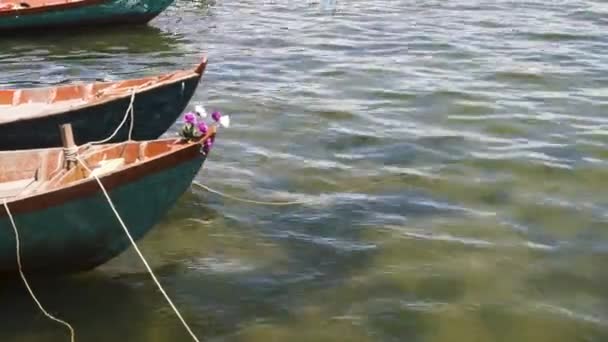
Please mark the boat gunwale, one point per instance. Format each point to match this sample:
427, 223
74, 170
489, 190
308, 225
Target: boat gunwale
196, 72
129, 173
50, 8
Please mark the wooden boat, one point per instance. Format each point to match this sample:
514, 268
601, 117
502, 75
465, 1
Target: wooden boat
65, 223
20, 15
29, 117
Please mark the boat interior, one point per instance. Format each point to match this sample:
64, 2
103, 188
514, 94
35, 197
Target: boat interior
28, 172
18, 104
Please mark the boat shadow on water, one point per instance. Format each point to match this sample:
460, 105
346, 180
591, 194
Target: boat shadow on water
195, 251
114, 39
99, 307
215, 298
42, 59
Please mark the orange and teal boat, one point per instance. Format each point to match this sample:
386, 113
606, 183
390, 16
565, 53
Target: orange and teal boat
48, 14
64, 221
29, 117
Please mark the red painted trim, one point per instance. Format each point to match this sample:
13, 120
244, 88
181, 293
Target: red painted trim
110, 99
89, 186
196, 72
200, 69
50, 8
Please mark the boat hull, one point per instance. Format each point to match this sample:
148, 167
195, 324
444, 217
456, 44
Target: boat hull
83, 232
92, 14
155, 110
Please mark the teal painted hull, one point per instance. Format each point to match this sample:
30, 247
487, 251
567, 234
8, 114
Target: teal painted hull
155, 111
81, 234
112, 11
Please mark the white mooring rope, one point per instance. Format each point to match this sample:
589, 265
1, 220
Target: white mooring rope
71, 154
141, 256
124, 119
27, 285
239, 199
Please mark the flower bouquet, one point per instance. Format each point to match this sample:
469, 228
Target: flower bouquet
195, 127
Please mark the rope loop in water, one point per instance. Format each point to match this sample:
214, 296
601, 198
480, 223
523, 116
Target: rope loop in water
239, 199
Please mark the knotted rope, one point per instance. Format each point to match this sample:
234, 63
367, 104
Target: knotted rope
71, 156
70, 153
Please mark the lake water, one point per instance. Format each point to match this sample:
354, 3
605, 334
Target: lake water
454, 156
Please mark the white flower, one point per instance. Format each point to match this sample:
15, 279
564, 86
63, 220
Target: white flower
225, 121
200, 110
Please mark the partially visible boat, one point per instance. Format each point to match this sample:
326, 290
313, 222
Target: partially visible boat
29, 118
65, 223
20, 15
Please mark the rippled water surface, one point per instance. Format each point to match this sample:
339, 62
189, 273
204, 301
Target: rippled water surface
454, 155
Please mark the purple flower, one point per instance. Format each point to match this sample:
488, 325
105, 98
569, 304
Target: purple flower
216, 116
190, 118
202, 127
207, 145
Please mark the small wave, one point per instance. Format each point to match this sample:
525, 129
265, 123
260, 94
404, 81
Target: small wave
336, 243
564, 312
475, 242
216, 265
449, 238
560, 36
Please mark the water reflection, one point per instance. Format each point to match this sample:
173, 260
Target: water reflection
100, 308
88, 55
